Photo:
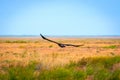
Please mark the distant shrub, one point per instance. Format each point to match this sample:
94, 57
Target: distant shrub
17, 41
110, 47
50, 46
7, 41
21, 46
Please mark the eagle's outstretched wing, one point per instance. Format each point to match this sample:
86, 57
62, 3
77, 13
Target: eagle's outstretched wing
49, 39
59, 44
73, 45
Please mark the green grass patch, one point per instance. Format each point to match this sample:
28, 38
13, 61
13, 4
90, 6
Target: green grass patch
16, 41
100, 68
110, 47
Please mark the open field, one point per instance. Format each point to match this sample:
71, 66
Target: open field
43, 60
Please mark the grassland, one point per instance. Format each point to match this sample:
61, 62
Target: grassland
36, 59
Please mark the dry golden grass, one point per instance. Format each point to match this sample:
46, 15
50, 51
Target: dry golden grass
13, 51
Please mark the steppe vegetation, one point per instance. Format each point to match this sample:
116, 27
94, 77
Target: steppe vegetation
36, 59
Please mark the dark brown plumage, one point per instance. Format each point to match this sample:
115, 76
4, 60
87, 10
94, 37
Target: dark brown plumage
60, 44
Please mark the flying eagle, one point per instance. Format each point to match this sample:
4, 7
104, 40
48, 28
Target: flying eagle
59, 44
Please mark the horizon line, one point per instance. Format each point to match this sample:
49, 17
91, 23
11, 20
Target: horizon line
68, 36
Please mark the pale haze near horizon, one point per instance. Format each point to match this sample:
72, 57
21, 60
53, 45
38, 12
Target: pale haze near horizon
60, 17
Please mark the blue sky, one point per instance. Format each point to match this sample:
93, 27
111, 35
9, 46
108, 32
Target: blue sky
60, 17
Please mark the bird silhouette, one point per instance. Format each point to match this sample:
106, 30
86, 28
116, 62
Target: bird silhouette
59, 44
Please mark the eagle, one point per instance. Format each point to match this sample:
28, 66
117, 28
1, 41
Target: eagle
59, 44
